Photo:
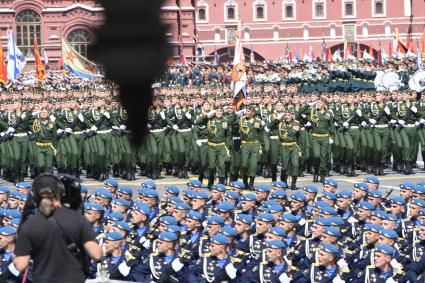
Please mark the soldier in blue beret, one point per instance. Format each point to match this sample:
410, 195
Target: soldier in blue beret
214, 225
104, 198
13, 201
232, 197
7, 246
190, 240
94, 215
237, 186
330, 185
264, 222
171, 191
248, 204
4, 196
297, 205
343, 201
125, 192
84, 193
280, 196
149, 185
310, 192
194, 185
199, 202
359, 193
406, 190
139, 237
242, 225
217, 195
398, 207
278, 185
225, 210
23, 187
120, 205
372, 182
112, 186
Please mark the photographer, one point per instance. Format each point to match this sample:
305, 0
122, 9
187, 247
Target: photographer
56, 238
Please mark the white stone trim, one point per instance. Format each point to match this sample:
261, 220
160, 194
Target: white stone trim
7, 10
73, 6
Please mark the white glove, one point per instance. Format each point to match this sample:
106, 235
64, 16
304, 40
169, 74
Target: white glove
52, 118
124, 269
392, 121
266, 129
417, 124
372, 121
147, 244
162, 114
363, 124
59, 131
387, 110
338, 279
2, 134
175, 127
107, 115
177, 265
414, 109
142, 240
342, 264
401, 122
395, 264
13, 270
263, 123
303, 115
80, 117
312, 103
345, 124
359, 113
283, 278
390, 280
93, 128
336, 124
10, 130
331, 141
279, 117
231, 271
308, 124
149, 126
23, 115
422, 121
123, 127
188, 115
115, 128
240, 113
198, 142
211, 114
68, 130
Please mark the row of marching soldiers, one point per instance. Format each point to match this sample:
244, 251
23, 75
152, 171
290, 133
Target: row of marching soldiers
325, 234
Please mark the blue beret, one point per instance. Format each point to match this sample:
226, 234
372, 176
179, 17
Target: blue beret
265, 217
150, 193
16, 194
12, 213
329, 248
385, 249
379, 213
114, 236
422, 212
182, 206
93, 207
279, 184
218, 187
299, 196
237, 185
329, 195
229, 231
103, 193
331, 182
407, 185
23, 185
195, 215
167, 237
7, 231
122, 202
232, 195
219, 239
215, 220
288, 218
142, 208
366, 205
194, 184
371, 179
122, 225
332, 231
344, 194
111, 183
421, 223
200, 195
279, 194
248, 197
189, 193
169, 220
262, 188
419, 189
319, 220
172, 190
245, 218
84, 189
23, 197
375, 194
419, 202
15, 223
328, 210
115, 216
389, 233
225, 206
126, 190
336, 221
149, 184
398, 201
310, 189
269, 203
361, 186
276, 244
275, 208
390, 217
373, 227
278, 231
4, 190
174, 200
173, 229
320, 204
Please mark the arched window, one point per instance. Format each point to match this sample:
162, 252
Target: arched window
289, 12
79, 39
348, 9
319, 10
379, 8
202, 15
260, 12
230, 13
27, 27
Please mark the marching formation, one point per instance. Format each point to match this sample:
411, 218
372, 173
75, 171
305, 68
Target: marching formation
326, 234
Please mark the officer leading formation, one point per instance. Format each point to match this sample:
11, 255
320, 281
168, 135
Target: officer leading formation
319, 234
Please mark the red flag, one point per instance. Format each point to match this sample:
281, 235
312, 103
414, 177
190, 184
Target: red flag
410, 45
290, 56
40, 71
3, 70
328, 55
401, 47
371, 52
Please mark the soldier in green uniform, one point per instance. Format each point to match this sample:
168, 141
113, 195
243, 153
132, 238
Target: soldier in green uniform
45, 138
235, 144
272, 130
265, 110
200, 135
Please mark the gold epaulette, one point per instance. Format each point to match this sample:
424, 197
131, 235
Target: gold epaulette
235, 259
347, 251
293, 267
315, 264
207, 254
154, 254
204, 238
264, 263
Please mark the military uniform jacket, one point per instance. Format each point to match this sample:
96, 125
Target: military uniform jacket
154, 119
375, 275
207, 269
317, 274
322, 122
44, 130
217, 129
377, 112
265, 272
161, 271
96, 117
250, 129
178, 117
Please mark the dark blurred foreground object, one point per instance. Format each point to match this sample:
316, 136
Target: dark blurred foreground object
132, 48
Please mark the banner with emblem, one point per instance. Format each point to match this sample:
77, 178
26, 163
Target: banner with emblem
3, 69
40, 70
77, 64
238, 77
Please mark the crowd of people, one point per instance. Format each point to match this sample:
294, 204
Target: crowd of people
318, 234
296, 118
